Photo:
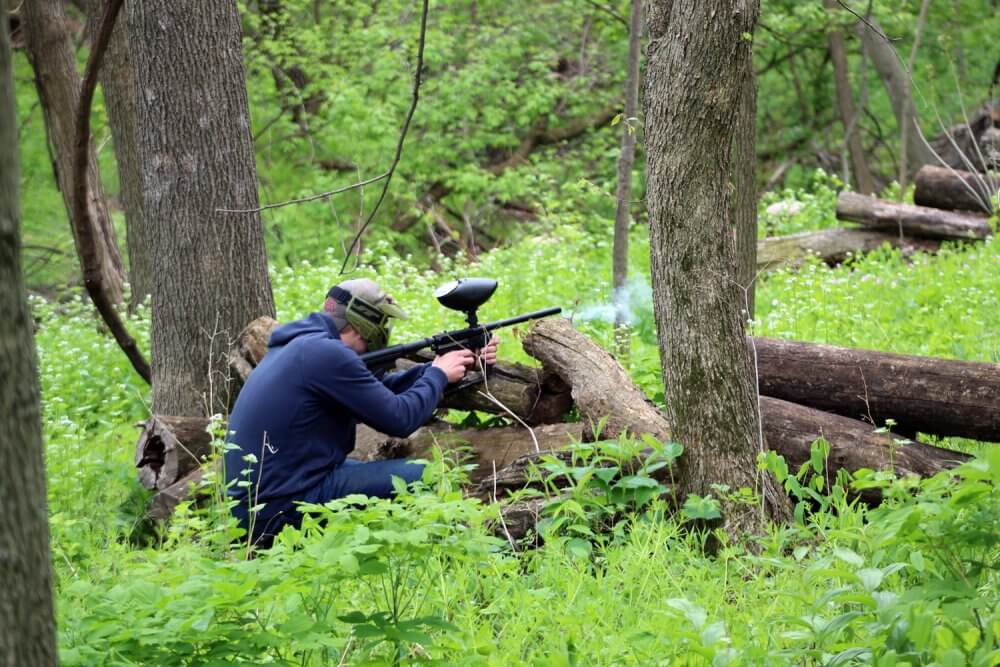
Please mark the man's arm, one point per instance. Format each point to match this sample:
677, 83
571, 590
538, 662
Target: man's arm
339, 376
400, 381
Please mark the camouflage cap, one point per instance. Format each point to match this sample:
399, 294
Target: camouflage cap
367, 308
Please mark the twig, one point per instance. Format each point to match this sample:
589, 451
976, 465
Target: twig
386, 176
303, 200
503, 524
866, 22
402, 135
609, 11
520, 421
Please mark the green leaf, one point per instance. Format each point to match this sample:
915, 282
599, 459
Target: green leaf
870, 577
848, 556
696, 507
579, 548
354, 617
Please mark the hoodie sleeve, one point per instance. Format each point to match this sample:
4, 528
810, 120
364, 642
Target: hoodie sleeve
339, 376
403, 380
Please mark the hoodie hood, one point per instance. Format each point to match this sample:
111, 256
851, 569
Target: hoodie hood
315, 324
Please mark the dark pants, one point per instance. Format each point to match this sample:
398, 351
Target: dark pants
373, 479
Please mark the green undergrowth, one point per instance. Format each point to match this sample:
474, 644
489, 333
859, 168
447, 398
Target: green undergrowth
842, 586
422, 579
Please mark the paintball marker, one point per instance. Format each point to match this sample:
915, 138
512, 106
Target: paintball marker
465, 295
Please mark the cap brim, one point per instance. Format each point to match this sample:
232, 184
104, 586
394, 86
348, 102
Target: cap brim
392, 310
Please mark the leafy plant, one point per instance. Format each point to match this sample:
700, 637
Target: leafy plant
596, 484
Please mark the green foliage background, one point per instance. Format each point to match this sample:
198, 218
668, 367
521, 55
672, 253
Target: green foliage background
424, 579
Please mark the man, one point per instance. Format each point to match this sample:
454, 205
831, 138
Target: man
298, 411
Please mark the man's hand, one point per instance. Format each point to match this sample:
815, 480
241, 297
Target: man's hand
455, 363
489, 353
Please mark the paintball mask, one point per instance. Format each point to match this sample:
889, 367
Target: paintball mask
367, 308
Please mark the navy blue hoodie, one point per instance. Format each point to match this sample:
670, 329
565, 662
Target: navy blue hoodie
304, 401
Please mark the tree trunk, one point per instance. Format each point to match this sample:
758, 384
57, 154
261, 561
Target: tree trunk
910, 110
863, 178
58, 83
28, 632
897, 85
909, 220
745, 193
833, 246
940, 187
694, 67
939, 396
197, 157
118, 85
623, 195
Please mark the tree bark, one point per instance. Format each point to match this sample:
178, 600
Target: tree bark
118, 85
863, 178
170, 448
897, 85
910, 220
745, 193
693, 72
939, 396
623, 194
163, 504
197, 157
58, 83
488, 450
940, 187
833, 246
28, 632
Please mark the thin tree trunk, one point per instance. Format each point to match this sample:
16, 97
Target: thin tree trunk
619, 256
118, 85
897, 86
695, 64
911, 111
195, 148
27, 633
58, 82
745, 192
623, 216
848, 114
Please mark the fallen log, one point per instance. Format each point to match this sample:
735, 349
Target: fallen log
535, 396
489, 450
939, 396
790, 429
973, 144
171, 447
608, 401
944, 188
604, 394
833, 246
251, 346
908, 220
163, 504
